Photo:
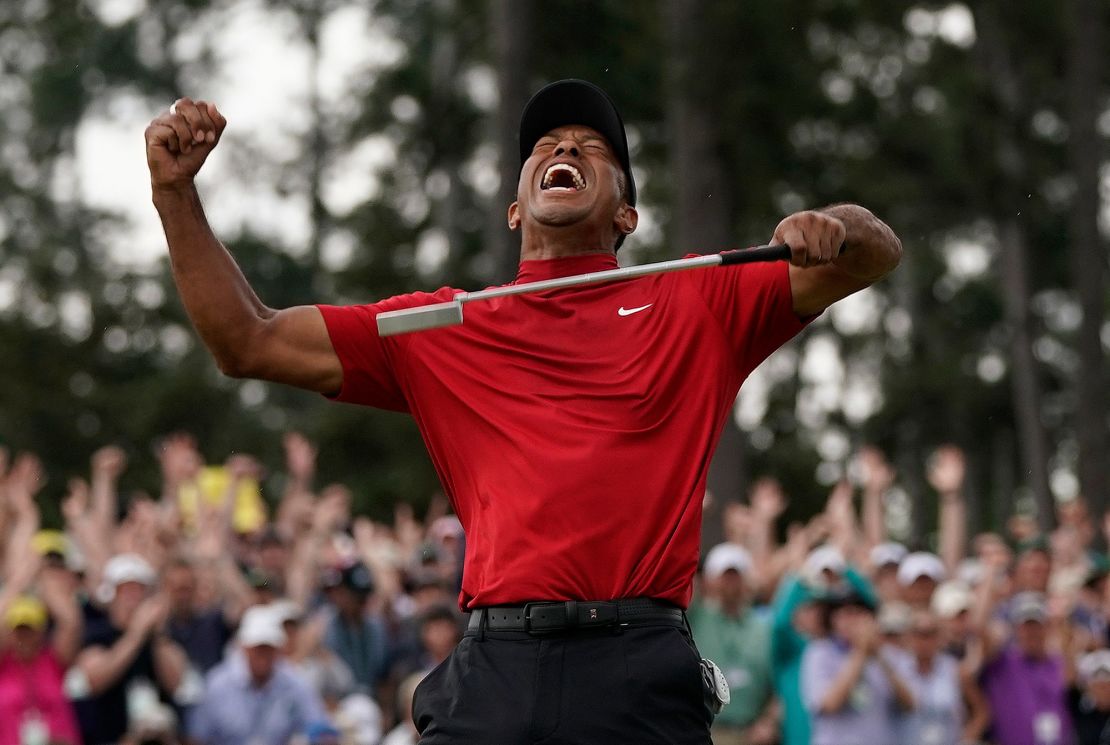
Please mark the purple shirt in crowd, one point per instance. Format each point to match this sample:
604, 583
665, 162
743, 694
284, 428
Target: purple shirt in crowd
1028, 699
870, 715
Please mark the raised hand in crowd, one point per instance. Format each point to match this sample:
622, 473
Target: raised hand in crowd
380, 550
180, 463
876, 478
107, 465
946, 471
57, 591
843, 530
24, 480
294, 513
768, 501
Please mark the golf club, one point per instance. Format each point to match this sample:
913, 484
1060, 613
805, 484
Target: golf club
438, 315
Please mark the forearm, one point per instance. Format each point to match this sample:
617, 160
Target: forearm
836, 697
871, 250
902, 693
170, 663
67, 634
874, 528
217, 297
103, 667
103, 502
953, 529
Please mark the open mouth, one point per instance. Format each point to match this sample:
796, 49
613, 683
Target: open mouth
562, 177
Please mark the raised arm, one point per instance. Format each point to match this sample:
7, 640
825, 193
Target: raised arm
247, 338
946, 474
818, 275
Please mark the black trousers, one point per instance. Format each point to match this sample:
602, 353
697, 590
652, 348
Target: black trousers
640, 685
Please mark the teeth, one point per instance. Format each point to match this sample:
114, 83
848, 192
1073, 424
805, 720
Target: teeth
579, 182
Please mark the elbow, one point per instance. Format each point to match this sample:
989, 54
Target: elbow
233, 365
241, 356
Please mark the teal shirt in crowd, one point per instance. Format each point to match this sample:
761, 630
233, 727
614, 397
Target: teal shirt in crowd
787, 646
741, 647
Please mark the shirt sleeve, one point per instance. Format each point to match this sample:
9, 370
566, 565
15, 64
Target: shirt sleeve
372, 364
786, 642
754, 305
820, 664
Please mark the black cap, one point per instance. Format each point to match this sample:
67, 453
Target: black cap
575, 102
355, 576
840, 597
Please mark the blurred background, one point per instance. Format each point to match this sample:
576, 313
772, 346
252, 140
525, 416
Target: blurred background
371, 149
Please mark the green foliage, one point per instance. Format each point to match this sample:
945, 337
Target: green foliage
819, 101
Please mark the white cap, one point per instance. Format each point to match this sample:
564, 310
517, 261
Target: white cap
822, 559
951, 598
887, 553
286, 610
125, 568
894, 617
725, 556
1094, 664
920, 564
970, 571
261, 626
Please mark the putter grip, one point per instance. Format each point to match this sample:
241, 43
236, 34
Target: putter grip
762, 253
759, 253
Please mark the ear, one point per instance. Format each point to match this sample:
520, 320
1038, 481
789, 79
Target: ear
514, 216
626, 219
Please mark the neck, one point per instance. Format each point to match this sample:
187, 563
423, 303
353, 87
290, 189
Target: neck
924, 664
543, 242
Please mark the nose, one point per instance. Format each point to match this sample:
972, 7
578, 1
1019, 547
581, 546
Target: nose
567, 146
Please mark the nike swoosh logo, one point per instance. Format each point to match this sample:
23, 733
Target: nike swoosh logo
622, 311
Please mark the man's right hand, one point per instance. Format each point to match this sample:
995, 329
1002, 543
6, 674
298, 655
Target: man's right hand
179, 141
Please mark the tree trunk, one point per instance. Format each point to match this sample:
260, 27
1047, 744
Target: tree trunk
1008, 88
511, 24
1023, 370
700, 218
1088, 258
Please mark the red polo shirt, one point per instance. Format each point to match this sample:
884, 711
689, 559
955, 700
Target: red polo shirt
572, 429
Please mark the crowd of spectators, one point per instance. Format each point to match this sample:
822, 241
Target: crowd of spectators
839, 636
205, 616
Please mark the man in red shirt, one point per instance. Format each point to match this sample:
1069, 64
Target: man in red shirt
571, 428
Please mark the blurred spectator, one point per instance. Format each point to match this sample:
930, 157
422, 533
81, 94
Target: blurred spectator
850, 684
934, 680
1089, 609
405, 732
201, 632
884, 559
797, 619
254, 696
33, 706
354, 632
1033, 566
1023, 679
894, 619
357, 717
125, 647
919, 574
728, 631
1089, 698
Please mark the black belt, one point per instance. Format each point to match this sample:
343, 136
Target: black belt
546, 618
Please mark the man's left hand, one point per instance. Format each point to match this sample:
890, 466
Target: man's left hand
814, 238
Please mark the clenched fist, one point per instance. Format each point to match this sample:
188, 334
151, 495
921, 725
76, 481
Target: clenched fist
179, 141
814, 237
